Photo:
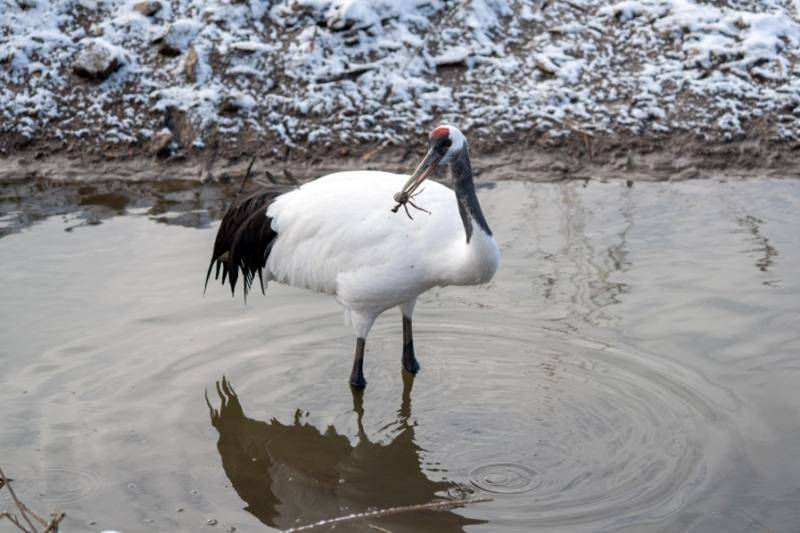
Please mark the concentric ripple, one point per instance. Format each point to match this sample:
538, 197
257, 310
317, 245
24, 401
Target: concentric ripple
505, 478
559, 428
570, 431
62, 484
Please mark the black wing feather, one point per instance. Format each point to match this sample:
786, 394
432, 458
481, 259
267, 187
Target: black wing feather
244, 239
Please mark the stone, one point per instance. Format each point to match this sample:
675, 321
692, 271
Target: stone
148, 8
230, 105
235, 102
178, 37
247, 47
161, 144
190, 65
689, 173
166, 48
6, 55
96, 61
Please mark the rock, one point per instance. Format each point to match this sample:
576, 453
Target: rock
96, 61
689, 173
167, 49
229, 105
190, 65
162, 143
453, 57
178, 37
6, 55
148, 8
248, 47
235, 102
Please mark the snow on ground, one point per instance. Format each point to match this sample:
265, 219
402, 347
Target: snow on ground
332, 72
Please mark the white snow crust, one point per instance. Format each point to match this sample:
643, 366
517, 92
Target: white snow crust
338, 71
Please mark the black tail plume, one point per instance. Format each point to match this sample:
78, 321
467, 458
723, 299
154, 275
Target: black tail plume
244, 239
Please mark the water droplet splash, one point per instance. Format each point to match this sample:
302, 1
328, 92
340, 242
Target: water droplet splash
505, 478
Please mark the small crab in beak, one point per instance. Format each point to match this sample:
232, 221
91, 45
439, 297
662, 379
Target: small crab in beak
438, 154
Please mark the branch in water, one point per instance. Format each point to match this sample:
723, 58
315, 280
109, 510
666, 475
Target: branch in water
435, 506
26, 513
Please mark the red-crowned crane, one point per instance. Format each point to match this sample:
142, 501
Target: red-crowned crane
337, 235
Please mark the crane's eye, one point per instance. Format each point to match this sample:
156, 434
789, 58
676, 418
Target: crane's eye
447, 142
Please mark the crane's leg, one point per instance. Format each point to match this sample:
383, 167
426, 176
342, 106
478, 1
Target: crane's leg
410, 362
362, 323
357, 375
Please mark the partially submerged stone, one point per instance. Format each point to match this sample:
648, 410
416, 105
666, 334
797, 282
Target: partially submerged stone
96, 61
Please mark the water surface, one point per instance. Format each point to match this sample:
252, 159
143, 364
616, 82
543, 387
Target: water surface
632, 366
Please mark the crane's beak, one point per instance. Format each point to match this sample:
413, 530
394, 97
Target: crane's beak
421, 173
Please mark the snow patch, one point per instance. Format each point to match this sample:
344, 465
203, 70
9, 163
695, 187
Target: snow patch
338, 71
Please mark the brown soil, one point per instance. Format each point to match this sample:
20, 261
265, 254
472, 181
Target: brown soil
674, 157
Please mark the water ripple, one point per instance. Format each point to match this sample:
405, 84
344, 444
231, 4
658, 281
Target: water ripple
505, 478
62, 484
572, 431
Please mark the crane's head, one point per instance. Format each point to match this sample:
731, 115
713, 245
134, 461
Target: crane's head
445, 144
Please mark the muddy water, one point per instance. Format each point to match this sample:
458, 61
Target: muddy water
633, 366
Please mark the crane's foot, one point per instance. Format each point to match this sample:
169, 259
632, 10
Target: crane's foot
358, 383
410, 362
357, 380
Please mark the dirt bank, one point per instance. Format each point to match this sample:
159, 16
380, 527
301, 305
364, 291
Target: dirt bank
672, 158
194, 191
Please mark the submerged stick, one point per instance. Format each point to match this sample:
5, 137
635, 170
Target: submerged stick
19, 504
24, 511
434, 506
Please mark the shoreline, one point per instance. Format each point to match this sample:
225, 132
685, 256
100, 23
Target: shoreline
673, 159
195, 191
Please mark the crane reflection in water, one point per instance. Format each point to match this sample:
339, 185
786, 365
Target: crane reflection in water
294, 474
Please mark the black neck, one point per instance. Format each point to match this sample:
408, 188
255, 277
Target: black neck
468, 206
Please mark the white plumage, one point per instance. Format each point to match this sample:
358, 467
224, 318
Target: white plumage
338, 235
